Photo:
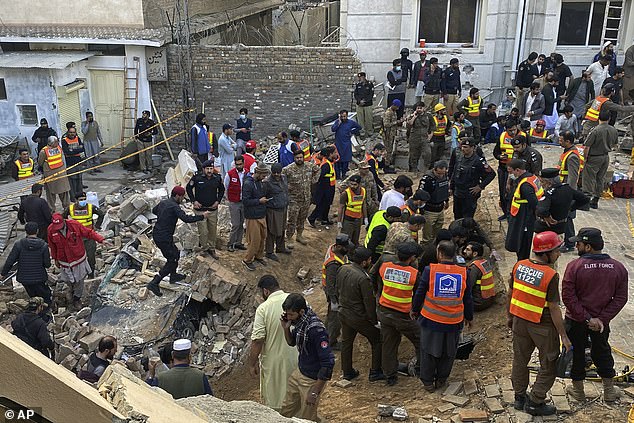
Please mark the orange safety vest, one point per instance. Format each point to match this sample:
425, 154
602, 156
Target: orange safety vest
331, 173
506, 147
530, 284
53, 157
72, 147
563, 162
595, 108
329, 258
473, 109
407, 208
517, 200
398, 286
487, 286
443, 301
315, 159
369, 157
82, 216
542, 134
441, 126
304, 145
25, 170
354, 205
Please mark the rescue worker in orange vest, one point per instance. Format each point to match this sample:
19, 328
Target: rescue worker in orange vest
602, 102
336, 256
302, 144
480, 276
571, 161
471, 107
527, 191
414, 204
539, 133
83, 212
536, 320
324, 192
73, 148
443, 300
23, 167
352, 209
442, 129
503, 152
375, 160
51, 159
395, 279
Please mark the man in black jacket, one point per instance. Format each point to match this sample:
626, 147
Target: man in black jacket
432, 79
31, 328
168, 212
364, 95
276, 188
451, 87
254, 201
418, 74
41, 134
206, 190
34, 208
551, 98
33, 258
524, 77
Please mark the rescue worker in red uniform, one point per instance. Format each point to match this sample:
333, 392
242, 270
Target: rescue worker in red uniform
536, 320
480, 276
443, 301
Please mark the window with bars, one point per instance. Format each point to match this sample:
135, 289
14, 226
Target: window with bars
448, 21
589, 23
28, 114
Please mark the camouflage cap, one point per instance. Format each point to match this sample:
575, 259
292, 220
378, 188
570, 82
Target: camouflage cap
35, 302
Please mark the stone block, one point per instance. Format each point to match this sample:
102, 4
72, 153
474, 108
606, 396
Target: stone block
492, 390
343, 383
455, 399
629, 391
143, 293
400, 414
90, 341
63, 352
303, 273
69, 362
453, 388
470, 387
444, 407
224, 329
473, 415
385, 410
493, 404
83, 313
508, 397
562, 404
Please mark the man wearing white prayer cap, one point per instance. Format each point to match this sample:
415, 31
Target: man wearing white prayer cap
181, 380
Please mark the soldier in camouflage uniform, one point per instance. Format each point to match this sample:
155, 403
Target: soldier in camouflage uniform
301, 176
391, 123
403, 232
367, 182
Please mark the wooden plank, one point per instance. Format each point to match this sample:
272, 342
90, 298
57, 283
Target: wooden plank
160, 123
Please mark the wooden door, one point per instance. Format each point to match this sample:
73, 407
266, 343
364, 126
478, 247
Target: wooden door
107, 99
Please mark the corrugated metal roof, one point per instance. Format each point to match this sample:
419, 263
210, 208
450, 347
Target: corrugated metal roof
42, 59
87, 33
6, 140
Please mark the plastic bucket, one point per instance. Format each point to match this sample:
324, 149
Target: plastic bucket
157, 159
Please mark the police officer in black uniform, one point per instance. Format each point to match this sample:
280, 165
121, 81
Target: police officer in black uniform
469, 174
436, 184
559, 203
533, 158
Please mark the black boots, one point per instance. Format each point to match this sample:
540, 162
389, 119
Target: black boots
153, 286
594, 203
543, 409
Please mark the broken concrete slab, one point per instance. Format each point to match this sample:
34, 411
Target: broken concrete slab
453, 388
492, 390
443, 408
473, 415
629, 391
343, 383
385, 410
470, 387
455, 399
400, 414
494, 405
508, 397
90, 341
562, 404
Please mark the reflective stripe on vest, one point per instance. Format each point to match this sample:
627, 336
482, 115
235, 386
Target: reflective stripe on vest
329, 258
530, 284
506, 146
473, 109
406, 208
595, 108
53, 157
398, 286
25, 170
534, 134
73, 144
83, 216
377, 220
304, 145
517, 200
443, 301
459, 127
487, 286
331, 173
210, 136
441, 126
563, 165
369, 157
354, 206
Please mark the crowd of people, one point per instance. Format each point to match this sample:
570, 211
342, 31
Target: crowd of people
395, 268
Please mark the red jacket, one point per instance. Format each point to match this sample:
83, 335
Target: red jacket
69, 250
594, 285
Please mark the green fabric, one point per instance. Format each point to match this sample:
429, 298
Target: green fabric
377, 220
182, 382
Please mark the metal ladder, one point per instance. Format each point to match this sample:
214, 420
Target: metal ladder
130, 97
612, 21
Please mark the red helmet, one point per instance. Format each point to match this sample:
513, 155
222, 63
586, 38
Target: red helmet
544, 242
541, 122
250, 144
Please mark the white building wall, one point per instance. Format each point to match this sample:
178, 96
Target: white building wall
378, 29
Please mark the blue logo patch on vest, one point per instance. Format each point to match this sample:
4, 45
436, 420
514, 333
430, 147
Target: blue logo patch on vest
447, 285
529, 275
397, 276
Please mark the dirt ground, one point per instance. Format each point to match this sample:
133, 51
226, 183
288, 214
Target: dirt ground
490, 361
